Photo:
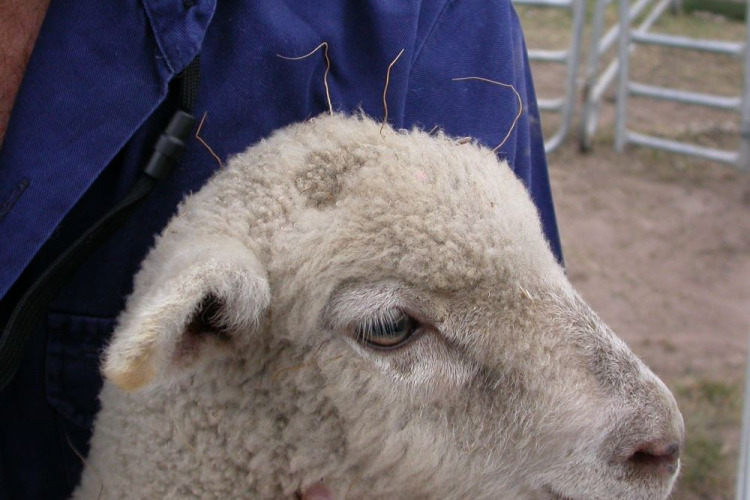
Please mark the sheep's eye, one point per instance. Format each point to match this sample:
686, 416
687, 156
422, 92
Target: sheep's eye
390, 331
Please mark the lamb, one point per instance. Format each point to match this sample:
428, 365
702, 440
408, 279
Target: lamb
378, 310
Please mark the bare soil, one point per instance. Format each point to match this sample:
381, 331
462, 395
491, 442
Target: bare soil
659, 244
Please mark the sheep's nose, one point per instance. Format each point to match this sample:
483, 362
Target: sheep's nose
659, 457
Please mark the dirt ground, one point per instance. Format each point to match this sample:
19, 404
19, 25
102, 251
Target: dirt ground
663, 255
659, 244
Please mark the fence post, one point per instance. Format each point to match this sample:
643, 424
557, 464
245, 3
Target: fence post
743, 158
623, 56
743, 479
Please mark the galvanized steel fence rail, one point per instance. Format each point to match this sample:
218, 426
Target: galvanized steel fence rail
564, 105
740, 158
743, 469
596, 84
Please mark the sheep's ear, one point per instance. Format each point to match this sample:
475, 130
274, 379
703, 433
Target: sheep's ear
191, 303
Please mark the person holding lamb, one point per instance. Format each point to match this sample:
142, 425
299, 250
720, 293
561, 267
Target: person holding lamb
86, 89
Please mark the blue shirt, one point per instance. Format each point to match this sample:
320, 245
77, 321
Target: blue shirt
96, 95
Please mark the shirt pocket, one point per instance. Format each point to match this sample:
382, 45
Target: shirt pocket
73, 381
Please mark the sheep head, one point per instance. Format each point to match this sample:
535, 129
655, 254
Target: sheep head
379, 311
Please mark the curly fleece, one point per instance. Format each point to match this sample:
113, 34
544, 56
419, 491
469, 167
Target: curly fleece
236, 370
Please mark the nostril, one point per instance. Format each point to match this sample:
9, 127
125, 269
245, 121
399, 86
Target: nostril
656, 456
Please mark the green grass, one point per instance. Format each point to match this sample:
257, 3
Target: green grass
668, 345
712, 411
727, 8
703, 458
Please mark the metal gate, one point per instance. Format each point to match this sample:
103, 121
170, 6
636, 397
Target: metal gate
570, 57
743, 474
595, 84
739, 159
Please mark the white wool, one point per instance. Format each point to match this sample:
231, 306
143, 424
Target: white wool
236, 371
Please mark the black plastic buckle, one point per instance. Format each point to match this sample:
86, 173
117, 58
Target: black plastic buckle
170, 146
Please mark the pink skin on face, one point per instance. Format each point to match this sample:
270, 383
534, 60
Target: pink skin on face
317, 492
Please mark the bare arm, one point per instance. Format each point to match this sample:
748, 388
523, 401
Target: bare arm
20, 21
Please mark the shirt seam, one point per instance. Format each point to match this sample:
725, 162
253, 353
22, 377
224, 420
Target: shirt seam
15, 194
159, 43
418, 53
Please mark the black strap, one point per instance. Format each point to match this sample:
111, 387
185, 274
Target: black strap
35, 302
189, 84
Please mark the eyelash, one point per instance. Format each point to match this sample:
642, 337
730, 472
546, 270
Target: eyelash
389, 330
